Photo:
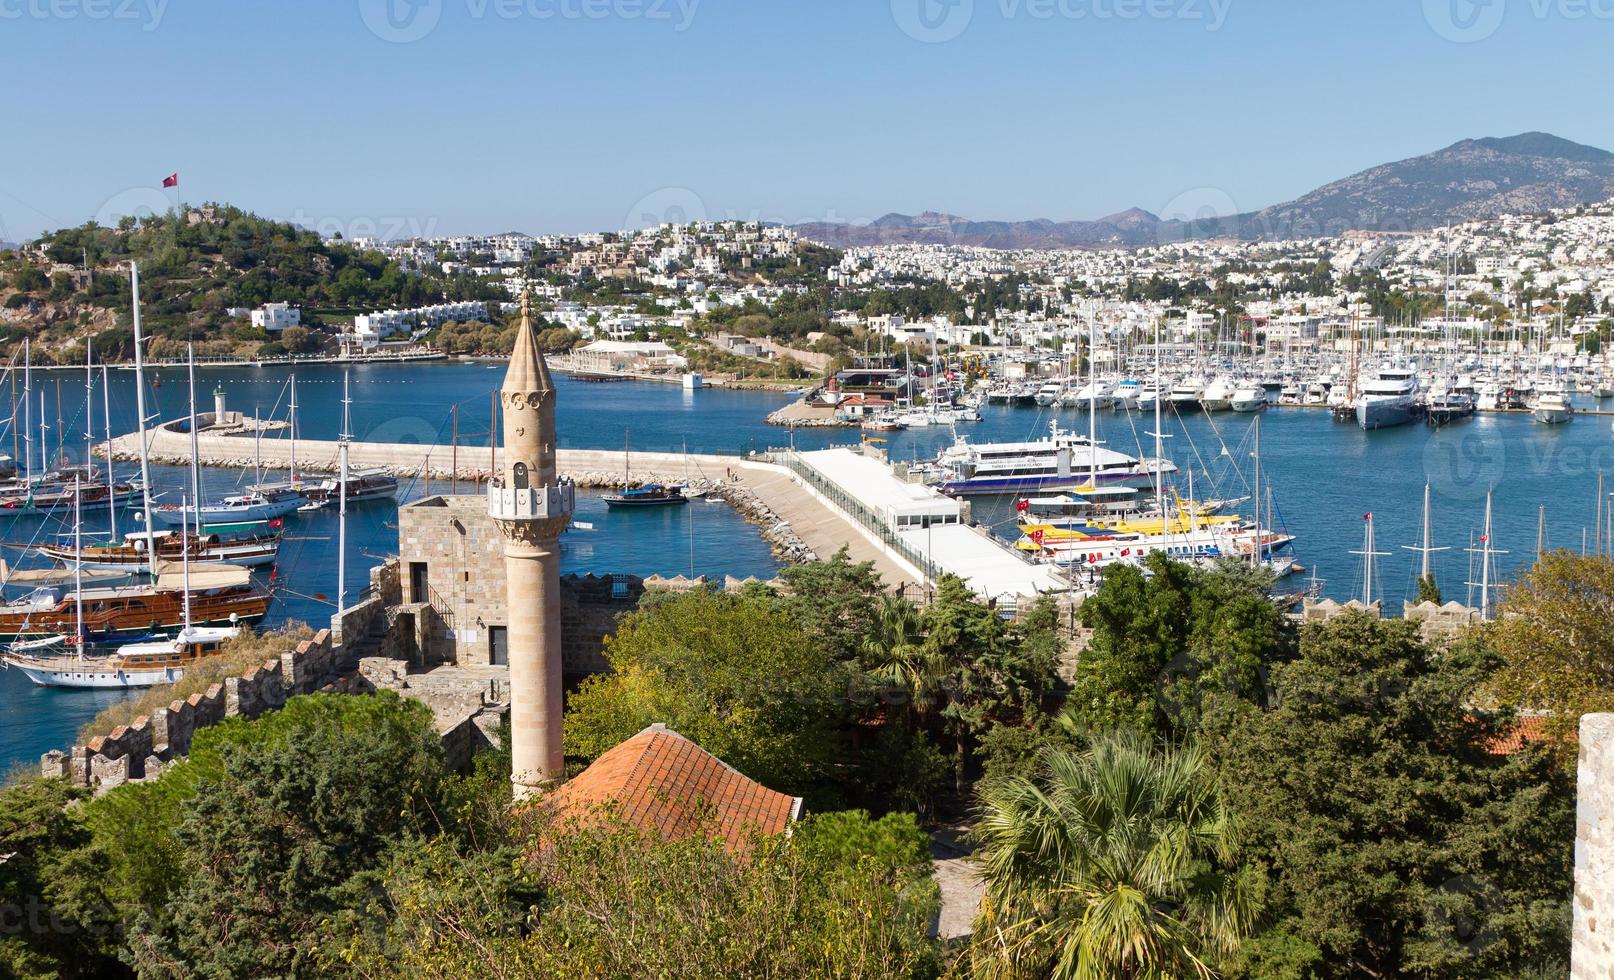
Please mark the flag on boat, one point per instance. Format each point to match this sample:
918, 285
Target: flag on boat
172, 180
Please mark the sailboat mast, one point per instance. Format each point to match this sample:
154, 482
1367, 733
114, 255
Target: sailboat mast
292, 469
196, 467
78, 569
1423, 569
111, 482
1485, 563
1367, 562
1092, 398
1541, 529
341, 511
1255, 496
185, 556
140, 422
28, 409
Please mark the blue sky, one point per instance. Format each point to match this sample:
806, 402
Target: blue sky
455, 116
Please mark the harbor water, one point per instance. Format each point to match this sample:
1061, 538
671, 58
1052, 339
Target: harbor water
1324, 477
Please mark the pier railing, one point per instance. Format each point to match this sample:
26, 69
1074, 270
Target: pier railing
853, 508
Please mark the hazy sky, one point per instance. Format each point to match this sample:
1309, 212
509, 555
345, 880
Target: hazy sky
446, 116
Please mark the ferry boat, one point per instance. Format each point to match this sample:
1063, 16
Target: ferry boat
1388, 398
144, 664
649, 495
1064, 461
251, 543
1206, 542
261, 504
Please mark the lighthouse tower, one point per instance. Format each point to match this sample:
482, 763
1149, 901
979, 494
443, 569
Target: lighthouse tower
531, 506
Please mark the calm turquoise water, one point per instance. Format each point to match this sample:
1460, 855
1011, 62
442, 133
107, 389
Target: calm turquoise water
1325, 476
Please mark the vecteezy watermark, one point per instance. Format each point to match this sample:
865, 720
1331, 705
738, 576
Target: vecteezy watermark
936, 21
403, 21
384, 228
665, 206
147, 13
1469, 21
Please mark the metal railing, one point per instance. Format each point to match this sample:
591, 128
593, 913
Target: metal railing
855, 509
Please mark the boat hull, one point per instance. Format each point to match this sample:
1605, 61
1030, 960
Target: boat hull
92, 676
265, 511
989, 486
1384, 414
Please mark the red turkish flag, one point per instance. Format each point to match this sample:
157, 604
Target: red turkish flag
172, 180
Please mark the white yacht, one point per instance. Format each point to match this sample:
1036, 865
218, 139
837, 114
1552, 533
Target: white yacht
1218, 395
1553, 405
1095, 394
1049, 393
1389, 397
1185, 394
1248, 397
1126, 394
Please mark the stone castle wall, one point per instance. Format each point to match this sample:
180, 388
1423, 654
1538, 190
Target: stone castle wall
140, 749
1592, 938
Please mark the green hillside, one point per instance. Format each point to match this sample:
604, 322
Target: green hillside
194, 266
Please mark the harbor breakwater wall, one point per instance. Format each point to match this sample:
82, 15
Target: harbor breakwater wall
719, 476
140, 749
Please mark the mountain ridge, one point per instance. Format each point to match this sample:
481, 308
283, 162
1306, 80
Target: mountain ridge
1467, 180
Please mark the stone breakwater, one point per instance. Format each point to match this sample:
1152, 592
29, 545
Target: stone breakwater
775, 530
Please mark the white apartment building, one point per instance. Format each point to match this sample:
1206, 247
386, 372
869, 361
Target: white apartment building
275, 317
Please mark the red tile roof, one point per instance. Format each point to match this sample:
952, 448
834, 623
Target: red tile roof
1527, 729
660, 781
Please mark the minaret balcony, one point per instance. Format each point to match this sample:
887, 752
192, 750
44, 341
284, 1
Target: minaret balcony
533, 503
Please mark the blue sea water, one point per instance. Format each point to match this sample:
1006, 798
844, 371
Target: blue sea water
1325, 476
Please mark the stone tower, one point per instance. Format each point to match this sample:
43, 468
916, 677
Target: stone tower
532, 506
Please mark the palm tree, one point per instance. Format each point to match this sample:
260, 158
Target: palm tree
1116, 861
895, 652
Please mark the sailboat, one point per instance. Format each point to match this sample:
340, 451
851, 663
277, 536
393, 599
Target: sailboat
645, 495
258, 504
145, 663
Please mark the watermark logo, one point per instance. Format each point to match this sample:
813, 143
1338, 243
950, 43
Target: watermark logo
401, 21
1464, 21
406, 21
666, 206
148, 13
138, 203
1464, 463
933, 21
382, 228
1198, 213
937, 21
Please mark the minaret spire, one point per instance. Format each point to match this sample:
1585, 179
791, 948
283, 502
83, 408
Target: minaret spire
531, 506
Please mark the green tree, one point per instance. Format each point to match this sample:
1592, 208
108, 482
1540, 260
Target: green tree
232, 859
731, 673
1396, 842
1160, 641
841, 896
1428, 590
58, 920
835, 601
1114, 862
909, 670
1554, 635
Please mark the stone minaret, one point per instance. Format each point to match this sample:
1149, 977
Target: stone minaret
532, 506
